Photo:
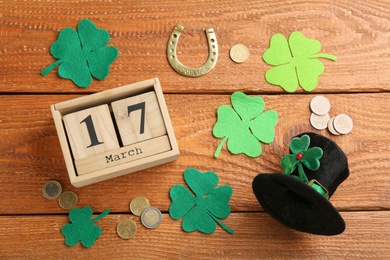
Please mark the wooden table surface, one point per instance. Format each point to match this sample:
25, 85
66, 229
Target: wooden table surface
358, 84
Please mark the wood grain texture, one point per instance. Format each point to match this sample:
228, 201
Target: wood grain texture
357, 32
30, 153
257, 236
358, 84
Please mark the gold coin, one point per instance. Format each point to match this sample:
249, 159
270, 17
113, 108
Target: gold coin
239, 53
151, 217
51, 189
126, 228
68, 200
139, 204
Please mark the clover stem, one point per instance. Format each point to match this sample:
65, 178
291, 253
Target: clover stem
228, 229
324, 56
302, 174
219, 148
102, 215
49, 68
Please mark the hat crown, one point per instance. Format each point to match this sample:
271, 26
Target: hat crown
333, 168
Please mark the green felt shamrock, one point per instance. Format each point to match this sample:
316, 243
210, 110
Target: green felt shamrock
82, 54
301, 156
244, 126
296, 62
82, 228
202, 211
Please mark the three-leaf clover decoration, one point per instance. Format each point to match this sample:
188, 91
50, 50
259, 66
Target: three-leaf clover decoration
82, 55
244, 125
301, 156
202, 211
295, 62
82, 227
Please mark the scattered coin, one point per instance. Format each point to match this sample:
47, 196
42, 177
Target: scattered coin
319, 122
151, 217
51, 189
139, 204
331, 127
68, 200
126, 228
343, 124
239, 53
320, 105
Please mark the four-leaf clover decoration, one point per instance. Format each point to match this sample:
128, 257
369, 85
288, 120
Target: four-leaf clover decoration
244, 125
295, 62
82, 54
82, 228
301, 156
202, 211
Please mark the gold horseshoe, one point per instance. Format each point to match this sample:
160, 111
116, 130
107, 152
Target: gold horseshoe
187, 71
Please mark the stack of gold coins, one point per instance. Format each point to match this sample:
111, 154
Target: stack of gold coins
151, 217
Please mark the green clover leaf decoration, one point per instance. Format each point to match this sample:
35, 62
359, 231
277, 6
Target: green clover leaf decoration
82, 228
295, 62
244, 125
202, 211
82, 54
301, 156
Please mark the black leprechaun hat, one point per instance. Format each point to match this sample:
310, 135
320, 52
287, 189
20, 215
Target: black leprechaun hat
299, 196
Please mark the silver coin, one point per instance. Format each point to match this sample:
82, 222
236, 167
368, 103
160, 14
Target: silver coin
331, 127
151, 217
320, 105
52, 189
343, 124
239, 53
319, 122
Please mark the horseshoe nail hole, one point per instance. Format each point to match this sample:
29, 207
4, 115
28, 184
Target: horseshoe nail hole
213, 46
173, 56
214, 53
173, 42
175, 36
212, 40
171, 50
211, 60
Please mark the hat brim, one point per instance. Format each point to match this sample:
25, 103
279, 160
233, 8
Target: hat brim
297, 205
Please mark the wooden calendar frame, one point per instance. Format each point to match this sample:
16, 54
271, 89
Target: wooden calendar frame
117, 169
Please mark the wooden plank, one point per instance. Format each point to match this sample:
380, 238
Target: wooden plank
30, 153
357, 32
257, 235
